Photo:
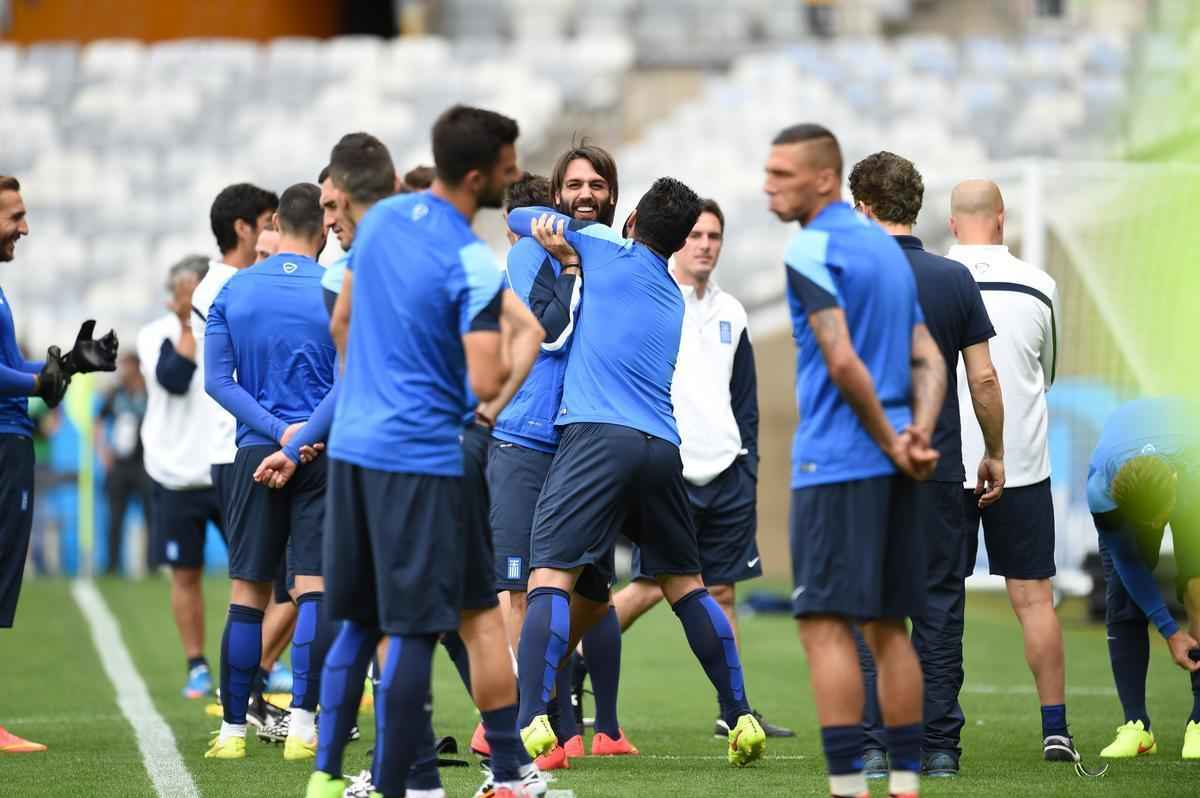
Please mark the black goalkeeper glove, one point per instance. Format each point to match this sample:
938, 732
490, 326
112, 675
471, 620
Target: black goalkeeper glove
52, 380
88, 355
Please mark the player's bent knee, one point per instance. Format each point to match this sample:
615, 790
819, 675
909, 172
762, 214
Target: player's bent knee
250, 594
725, 595
553, 577
307, 584
187, 578
676, 586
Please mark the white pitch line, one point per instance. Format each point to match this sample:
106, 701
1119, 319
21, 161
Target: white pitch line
1028, 689
155, 739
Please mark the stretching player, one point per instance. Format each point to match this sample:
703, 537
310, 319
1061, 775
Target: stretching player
870, 381
271, 378
20, 379
1144, 474
425, 297
584, 186
617, 467
715, 395
1018, 530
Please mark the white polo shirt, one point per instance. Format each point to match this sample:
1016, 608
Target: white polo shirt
175, 429
1021, 303
700, 392
221, 426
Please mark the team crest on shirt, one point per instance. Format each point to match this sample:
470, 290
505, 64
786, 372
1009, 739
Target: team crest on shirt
726, 332
1149, 448
419, 212
514, 568
289, 267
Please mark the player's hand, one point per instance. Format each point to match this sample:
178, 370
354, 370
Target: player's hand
290, 433
913, 455
989, 483
548, 231
275, 470
91, 355
52, 380
1181, 644
310, 453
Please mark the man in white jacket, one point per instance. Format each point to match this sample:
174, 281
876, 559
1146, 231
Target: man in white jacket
1019, 528
715, 394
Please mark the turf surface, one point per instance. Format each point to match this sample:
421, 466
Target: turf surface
55, 692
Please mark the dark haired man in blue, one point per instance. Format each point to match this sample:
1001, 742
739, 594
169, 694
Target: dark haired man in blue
425, 296
869, 382
1145, 474
617, 468
269, 361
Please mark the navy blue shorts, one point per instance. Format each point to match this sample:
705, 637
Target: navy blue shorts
394, 548
606, 480
1018, 531
181, 524
857, 549
265, 525
515, 476
479, 586
16, 519
725, 512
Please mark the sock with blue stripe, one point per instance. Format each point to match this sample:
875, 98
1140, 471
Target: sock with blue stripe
341, 692
310, 645
843, 747
711, 638
1129, 654
904, 757
402, 716
504, 738
457, 650
1054, 720
543, 645
423, 775
564, 720
241, 649
602, 650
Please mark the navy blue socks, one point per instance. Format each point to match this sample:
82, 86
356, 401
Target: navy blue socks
402, 711
241, 649
843, 747
602, 650
508, 753
1129, 654
1195, 716
904, 758
310, 643
711, 639
564, 720
1054, 720
543, 645
341, 692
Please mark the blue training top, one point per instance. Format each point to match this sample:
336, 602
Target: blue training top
269, 326
16, 378
554, 298
422, 280
627, 340
843, 260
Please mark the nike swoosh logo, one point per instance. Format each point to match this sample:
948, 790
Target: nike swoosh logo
753, 562
1143, 748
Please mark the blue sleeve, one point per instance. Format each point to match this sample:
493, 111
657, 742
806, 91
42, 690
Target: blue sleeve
219, 364
1139, 581
808, 271
316, 429
173, 371
585, 236
743, 392
32, 366
15, 382
480, 309
552, 298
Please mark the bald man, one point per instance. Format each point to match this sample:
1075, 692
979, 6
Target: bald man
1019, 528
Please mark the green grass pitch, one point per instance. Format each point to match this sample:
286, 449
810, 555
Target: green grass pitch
52, 689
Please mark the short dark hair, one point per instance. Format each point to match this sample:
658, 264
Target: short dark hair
361, 166
601, 160
467, 138
890, 185
9, 183
240, 201
528, 192
666, 215
324, 175
419, 178
810, 131
708, 205
300, 211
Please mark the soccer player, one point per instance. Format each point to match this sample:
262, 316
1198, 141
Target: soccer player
119, 448
1018, 529
20, 379
176, 444
715, 396
267, 245
1144, 474
425, 295
584, 186
617, 467
271, 377
889, 190
870, 382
